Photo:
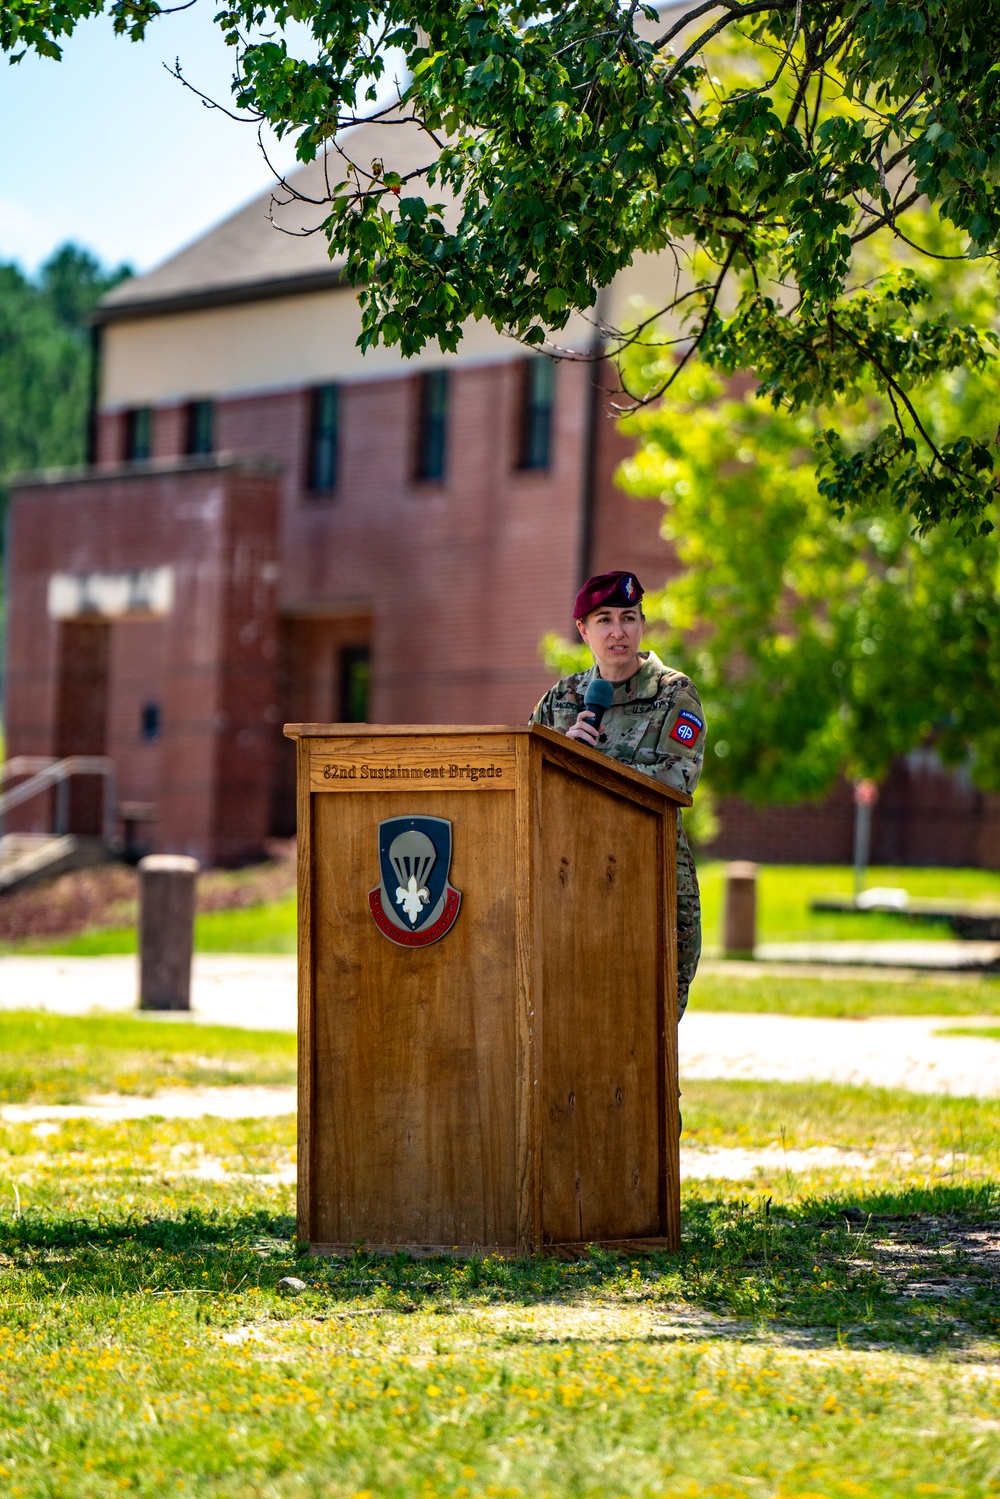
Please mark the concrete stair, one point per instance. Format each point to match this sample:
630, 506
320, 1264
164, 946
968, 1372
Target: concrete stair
26, 857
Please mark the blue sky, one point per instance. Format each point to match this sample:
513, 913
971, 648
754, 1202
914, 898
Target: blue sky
106, 149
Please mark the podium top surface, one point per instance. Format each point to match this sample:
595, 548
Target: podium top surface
387, 730
565, 748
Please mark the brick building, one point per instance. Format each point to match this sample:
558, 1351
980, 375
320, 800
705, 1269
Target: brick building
276, 528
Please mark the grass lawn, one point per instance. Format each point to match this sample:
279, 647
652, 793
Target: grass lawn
784, 893
47, 1058
267, 928
785, 890
835, 1333
845, 997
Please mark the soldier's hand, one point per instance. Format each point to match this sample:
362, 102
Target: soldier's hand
584, 729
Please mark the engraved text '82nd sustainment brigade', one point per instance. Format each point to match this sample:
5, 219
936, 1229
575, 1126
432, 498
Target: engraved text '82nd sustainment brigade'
413, 903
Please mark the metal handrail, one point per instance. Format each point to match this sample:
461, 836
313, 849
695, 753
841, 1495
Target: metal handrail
25, 765
57, 773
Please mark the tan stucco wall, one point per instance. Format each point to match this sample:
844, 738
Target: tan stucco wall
305, 340
256, 346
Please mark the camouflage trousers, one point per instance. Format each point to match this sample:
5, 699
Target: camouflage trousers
688, 919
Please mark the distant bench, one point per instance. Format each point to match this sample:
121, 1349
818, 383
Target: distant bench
972, 920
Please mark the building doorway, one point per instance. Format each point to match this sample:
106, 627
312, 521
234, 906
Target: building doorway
81, 725
324, 676
355, 671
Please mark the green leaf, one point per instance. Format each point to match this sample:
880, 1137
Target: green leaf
569, 147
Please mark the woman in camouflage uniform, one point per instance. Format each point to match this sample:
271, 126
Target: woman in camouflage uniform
655, 724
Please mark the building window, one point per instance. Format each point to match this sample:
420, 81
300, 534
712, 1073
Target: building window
200, 436
322, 477
149, 722
433, 429
538, 384
355, 681
138, 434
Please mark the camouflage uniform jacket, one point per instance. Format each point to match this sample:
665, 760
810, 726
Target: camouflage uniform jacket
655, 723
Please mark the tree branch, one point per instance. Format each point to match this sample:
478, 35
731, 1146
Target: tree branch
893, 389
685, 20
696, 341
737, 14
751, 93
882, 220
210, 103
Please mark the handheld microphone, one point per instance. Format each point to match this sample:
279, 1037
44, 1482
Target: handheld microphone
597, 699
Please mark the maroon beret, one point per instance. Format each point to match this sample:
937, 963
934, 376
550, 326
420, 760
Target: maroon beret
619, 590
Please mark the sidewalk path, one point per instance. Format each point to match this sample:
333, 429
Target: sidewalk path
889, 1052
259, 993
254, 990
962, 956
757, 968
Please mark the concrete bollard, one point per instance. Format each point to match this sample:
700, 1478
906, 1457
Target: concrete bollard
739, 931
166, 931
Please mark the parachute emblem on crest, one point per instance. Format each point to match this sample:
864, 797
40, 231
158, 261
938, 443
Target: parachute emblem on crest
413, 904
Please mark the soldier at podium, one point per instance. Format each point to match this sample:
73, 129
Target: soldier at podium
655, 723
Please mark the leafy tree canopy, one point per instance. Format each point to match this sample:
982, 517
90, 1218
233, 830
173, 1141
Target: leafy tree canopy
758, 141
823, 644
45, 359
73, 281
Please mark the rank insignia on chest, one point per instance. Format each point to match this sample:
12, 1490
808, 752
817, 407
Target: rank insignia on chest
687, 728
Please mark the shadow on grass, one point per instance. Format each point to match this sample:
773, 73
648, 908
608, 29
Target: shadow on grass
915, 1269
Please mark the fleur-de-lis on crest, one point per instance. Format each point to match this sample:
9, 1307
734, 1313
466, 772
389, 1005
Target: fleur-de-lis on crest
412, 857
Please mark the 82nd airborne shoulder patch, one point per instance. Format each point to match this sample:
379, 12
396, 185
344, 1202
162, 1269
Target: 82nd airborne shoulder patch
687, 728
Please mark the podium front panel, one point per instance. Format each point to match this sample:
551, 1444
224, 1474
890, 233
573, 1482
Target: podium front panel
414, 1050
487, 1037
602, 1081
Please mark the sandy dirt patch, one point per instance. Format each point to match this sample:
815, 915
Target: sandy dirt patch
254, 991
237, 1102
895, 1052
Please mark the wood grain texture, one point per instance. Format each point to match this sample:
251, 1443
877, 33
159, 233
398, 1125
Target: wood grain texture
528, 1002
433, 731
601, 1079
415, 1050
670, 1117
478, 762
514, 1085
418, 1251
305, 982
603, 771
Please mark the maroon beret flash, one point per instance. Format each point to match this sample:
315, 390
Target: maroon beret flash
619, 590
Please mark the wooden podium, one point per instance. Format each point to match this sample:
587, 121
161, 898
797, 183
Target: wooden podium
487, 1051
